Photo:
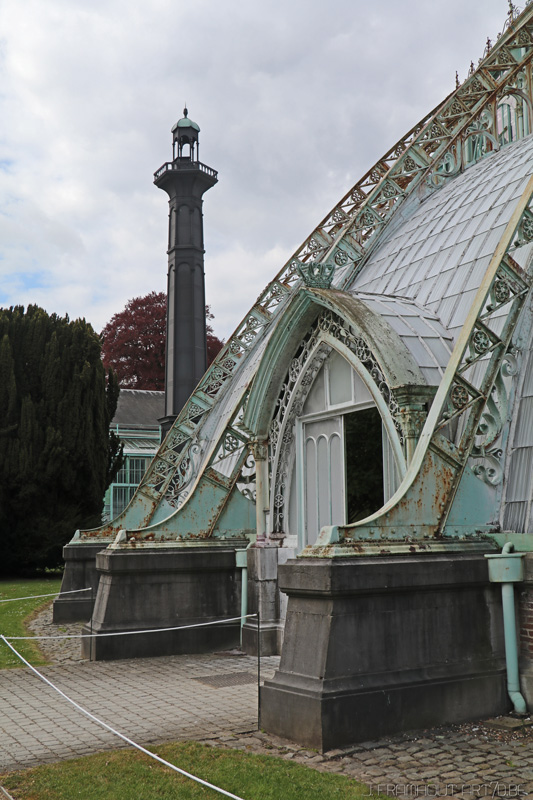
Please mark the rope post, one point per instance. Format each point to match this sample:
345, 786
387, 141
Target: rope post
258, 671
91, 624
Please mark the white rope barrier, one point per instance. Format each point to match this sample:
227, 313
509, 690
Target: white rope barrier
54, 594
129, 633
117, 733
6, 793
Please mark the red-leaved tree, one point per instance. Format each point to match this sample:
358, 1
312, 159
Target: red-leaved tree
133, 342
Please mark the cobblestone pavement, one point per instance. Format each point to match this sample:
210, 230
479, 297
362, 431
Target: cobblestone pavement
213, 699
149, 700
463, 761
57, 651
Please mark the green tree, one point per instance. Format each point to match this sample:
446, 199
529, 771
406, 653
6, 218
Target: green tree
57, 455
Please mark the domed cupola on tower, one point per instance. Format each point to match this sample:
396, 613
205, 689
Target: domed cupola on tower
185, 138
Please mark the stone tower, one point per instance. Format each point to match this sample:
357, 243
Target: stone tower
185, 179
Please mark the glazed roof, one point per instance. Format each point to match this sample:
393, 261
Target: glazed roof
420, 330
437, 255
423, 275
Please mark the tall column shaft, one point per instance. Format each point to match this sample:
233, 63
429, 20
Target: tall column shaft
185, 181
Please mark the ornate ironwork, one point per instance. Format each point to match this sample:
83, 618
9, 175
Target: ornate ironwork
434, 147
459, 396
487, 450
300, 377
480, 342
246, 482
360, 214
486, 404
316, 275
341, 258
290, 405
525, 230
183, 476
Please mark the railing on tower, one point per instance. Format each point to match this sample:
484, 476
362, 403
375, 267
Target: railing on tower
184, 163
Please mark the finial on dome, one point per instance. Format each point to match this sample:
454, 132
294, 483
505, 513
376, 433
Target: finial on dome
185, 111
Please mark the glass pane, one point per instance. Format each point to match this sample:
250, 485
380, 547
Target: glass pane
293, 504
137, 469
316, 399
122, 475
121, 497
340, 379
390, 471
323, 476
336, 459
311, 504
361, 394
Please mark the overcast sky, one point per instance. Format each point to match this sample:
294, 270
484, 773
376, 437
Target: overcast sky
295, 99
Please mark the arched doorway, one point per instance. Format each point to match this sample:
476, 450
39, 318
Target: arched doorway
343, 466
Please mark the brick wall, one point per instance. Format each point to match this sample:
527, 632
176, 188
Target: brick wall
525, 616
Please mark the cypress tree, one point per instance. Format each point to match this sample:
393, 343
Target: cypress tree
57, 456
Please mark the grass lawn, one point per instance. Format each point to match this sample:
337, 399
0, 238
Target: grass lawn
127, 774
12, 616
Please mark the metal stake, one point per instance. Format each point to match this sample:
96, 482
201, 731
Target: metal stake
91, 624
258, 671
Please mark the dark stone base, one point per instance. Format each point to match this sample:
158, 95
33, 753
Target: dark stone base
315, 720
271, 638
80, 573
375, 646
149, 588
263, 597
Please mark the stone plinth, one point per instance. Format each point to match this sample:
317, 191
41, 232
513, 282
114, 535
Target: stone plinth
374, 646
263, 596
80, 573
160, 588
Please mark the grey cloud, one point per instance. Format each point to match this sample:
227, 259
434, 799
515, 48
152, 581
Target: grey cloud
295, 100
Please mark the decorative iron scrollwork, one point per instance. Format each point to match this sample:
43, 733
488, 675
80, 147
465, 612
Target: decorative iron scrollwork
501, 291
246, 482
525, 230
487, 450
459, 396
389, 191
358, 196
341, 258
490, 470
317, 275
338, 216
362, 351
480, 342
184, 475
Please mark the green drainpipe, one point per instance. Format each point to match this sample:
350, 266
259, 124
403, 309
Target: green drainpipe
241, 562
507, 568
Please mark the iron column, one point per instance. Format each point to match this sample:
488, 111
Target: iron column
185, 179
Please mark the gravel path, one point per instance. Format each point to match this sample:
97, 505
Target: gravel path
57, 651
